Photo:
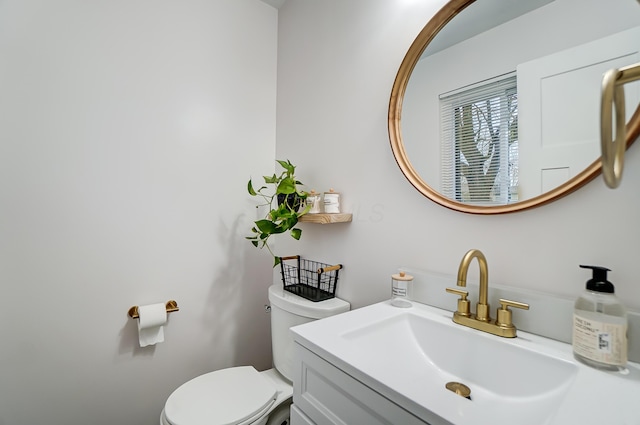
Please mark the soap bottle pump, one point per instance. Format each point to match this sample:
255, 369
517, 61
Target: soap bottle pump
600, 324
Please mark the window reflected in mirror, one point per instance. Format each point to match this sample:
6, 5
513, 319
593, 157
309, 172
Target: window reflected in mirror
479, 142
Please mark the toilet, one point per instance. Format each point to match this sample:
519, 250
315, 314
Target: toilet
242, 395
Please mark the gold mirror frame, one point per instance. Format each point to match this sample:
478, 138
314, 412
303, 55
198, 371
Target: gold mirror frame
428, 33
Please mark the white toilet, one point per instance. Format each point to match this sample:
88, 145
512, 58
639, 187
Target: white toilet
242, 395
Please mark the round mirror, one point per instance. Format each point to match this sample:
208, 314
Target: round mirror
496, 105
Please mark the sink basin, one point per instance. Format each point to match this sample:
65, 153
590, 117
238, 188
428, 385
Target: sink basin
490, 366
409, 356
509, 380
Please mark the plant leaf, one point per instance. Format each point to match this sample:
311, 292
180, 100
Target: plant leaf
288, 166
271, 180
290, 222
287, 186
268, 227
280, 213
296, 233
265, 226
250, 189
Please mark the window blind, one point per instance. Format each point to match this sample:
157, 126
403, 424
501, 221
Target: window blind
479, 142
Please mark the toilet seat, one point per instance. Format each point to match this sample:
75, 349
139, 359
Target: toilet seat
234, 396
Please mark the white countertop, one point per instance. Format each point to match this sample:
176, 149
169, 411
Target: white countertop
590, 396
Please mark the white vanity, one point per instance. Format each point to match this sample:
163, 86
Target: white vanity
385, 365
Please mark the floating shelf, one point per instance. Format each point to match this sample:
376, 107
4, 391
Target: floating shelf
325, 218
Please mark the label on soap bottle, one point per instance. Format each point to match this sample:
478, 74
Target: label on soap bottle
599, 341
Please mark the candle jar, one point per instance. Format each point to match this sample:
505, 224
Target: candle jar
332, 202
314, 202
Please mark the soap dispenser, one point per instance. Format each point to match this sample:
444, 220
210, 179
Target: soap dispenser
600, 324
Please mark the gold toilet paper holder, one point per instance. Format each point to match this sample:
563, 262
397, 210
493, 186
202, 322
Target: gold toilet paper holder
171, 306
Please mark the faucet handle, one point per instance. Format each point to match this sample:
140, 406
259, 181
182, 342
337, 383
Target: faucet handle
464, 308
504, 314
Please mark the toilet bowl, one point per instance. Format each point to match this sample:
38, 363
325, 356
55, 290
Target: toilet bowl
234, 396
242, 395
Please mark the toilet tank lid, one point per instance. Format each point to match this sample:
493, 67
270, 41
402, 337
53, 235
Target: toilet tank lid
227, 396
302, 307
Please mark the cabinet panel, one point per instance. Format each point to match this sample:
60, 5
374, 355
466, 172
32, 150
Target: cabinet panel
299, 418
328, 396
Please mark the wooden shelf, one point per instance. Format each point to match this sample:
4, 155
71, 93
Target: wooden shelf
324, 218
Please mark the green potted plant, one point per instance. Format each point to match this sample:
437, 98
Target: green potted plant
284, 199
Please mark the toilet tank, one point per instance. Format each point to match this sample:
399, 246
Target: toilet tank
289, 310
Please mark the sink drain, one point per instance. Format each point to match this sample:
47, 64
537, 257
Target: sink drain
459, 388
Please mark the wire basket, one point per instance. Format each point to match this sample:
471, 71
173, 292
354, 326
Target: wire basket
312, 280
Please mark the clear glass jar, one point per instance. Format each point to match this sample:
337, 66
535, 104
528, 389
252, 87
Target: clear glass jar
401, 289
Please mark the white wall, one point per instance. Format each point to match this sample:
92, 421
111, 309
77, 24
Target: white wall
128, 130
336, 66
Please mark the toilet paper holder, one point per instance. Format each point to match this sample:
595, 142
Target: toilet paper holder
171, 306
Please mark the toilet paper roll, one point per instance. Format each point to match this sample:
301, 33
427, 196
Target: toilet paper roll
151, 323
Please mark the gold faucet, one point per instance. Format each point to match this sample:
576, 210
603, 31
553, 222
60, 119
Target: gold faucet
503, 325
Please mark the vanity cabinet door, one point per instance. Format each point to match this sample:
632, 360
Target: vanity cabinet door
299, 418
328, 396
